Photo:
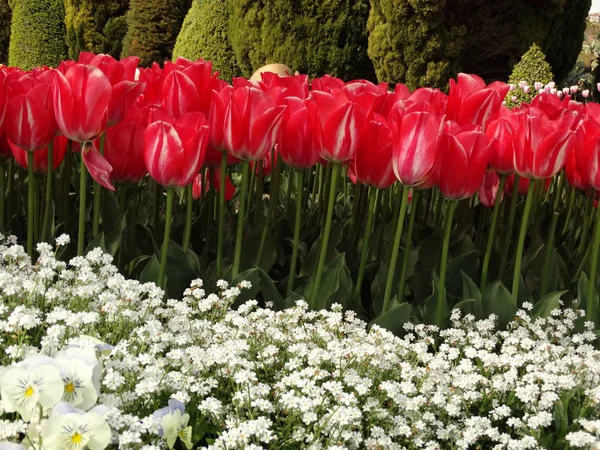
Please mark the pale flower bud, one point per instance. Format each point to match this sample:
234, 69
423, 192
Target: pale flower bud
511, 87
566, 91
522, 84
585, 93
513, 98
553, 91
552, 85
526, 89
559, 93
598, 86
538, 85
574, 89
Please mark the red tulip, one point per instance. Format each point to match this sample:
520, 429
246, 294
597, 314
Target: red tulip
40, 157
124, 151
501, 136
174, 149
540, 150
326, 83
29, 122
200, 187
294, 86
372, 162
416, 140
297, 144
523, 185
338, 125
252, 123
81, 100
463, 162
471, 102
488, 191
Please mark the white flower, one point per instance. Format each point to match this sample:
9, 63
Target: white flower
174, 424
74, 431
11, 446
23, 390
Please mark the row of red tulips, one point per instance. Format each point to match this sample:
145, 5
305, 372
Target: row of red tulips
171, 122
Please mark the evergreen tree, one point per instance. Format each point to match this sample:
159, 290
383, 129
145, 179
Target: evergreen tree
152, 28
316, 37
204, 34
5, 18
37, 34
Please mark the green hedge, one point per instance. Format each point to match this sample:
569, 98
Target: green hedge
5, 18
152, 28
37, 34
204, 34
312, 36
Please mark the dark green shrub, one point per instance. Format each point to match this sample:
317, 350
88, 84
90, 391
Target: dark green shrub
532, 67
5, 18
204, 34
152, 28
37, 34
312, 36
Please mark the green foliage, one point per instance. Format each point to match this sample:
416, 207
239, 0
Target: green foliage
96, 26
37, 35
313, 36
152, 28
204, 34
5, 18
410, 43
532, 67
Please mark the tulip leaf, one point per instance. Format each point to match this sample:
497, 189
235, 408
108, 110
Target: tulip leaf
467, 263
470, 289
114, 238
499, 301
151, 270
269, 291
253, 276
550, 282
179, 271
336, 286
109, 209
543, 308
590, 306
251, 248
432, 306
394, 319
472, 306
98, 242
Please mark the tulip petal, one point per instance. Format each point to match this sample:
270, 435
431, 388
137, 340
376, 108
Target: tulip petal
97, 165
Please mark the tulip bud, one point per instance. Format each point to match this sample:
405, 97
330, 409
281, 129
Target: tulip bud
551, 85
511, 87
522, 84
538, 85
559, 94
574, 89
585, 93
565, 91
514, 98
598, 86
526, 89
553, 91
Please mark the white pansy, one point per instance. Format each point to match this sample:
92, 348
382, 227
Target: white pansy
24, 391
78, 376
174, 424
75, 431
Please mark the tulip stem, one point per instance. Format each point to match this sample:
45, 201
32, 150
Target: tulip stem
82, 205
297, 222
187, 234
395, 249
449, 216
220, 231
511, 223
572, 195
521, 241
395, 214
373, 195
492, 235
48, 221
30, 203
559, 189
164, 253
439, 203
273, 204
98, 195
408, 246
2, 192
548, 254
590, 312
9, 191
333, 175
586, 222
66, 186
356, 206
241, 214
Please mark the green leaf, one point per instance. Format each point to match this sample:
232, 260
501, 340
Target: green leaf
467, 263
253, 277
251, 248
470, 289
472, 306
97, 242
179, 271
336, 286
269, 290
544, 307
114, 238
499, 301
395, 318
151, 271
431, 308
109, 209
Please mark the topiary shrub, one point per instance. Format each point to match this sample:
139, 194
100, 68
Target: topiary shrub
37, 34
5, 18
312, 36
91, 26
152, 28
532, 67
204, 34
410, 42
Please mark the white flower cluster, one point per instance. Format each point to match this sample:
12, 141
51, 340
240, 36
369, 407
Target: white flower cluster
92, 360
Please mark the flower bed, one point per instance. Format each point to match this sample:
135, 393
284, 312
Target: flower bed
135, 371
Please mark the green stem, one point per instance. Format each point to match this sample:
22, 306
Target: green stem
395, 217
395, 249
333, 175
297, 222
548, 254
187, 235
98, 195
166, 238
582, 264
356, 206
259, 188
9, 191
590, 312
492, 235
46, 227
2, 192
323, 194
439, 203
521, 241
82, 205
156, 203
408, 247
586, 222
221, 225
273, 204
450, 208
559, 190
364, 251
241, 214
511, 223
569, 210
30, 203
66, 186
